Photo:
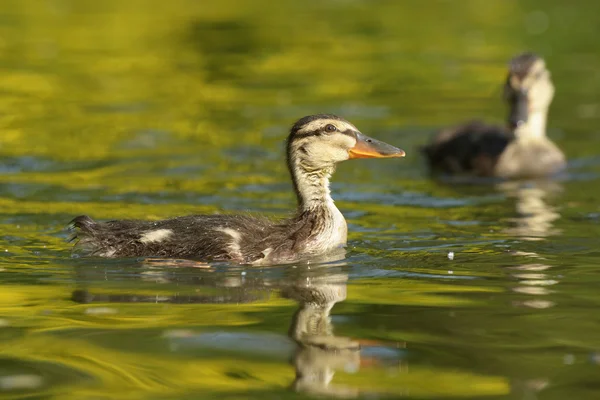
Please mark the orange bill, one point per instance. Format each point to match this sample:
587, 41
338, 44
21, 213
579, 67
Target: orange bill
367, 147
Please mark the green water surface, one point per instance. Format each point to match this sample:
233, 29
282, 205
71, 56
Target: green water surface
153, 109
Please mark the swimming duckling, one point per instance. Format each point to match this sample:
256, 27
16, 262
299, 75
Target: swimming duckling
522, 150
315, 145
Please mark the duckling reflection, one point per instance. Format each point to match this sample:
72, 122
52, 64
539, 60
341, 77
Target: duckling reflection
536, 217
320, 353
534, 281
535, 221
208, 285
311, 344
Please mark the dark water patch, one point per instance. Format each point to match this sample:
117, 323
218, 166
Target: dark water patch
407, 199
11, 165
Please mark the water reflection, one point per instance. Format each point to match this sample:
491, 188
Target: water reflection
534, 281
311, 344
535, 221
535, 217
320, 352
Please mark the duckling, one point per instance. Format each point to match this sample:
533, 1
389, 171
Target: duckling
522, 150
315, 145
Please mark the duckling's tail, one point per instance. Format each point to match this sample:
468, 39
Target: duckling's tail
83, 222
83, 231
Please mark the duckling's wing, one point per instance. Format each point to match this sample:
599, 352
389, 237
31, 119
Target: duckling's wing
205, 237
472, 148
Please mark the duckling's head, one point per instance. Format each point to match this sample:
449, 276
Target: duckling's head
318, 142
528, 89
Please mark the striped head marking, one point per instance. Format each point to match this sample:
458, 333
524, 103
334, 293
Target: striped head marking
528, 88
320, 141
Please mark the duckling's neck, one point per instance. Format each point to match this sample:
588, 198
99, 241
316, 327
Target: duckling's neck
316, 208
312, 188
534, 128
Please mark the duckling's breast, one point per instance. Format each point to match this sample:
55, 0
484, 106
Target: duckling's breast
331, 232
530, 158
315, 234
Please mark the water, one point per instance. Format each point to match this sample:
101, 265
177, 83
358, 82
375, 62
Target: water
131, 109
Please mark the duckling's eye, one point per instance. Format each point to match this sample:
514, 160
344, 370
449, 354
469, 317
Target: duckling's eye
330, 128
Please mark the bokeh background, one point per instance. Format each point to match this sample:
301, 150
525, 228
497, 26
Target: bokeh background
152, 109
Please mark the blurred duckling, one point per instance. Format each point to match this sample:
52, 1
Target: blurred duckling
521, 150
315, 145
